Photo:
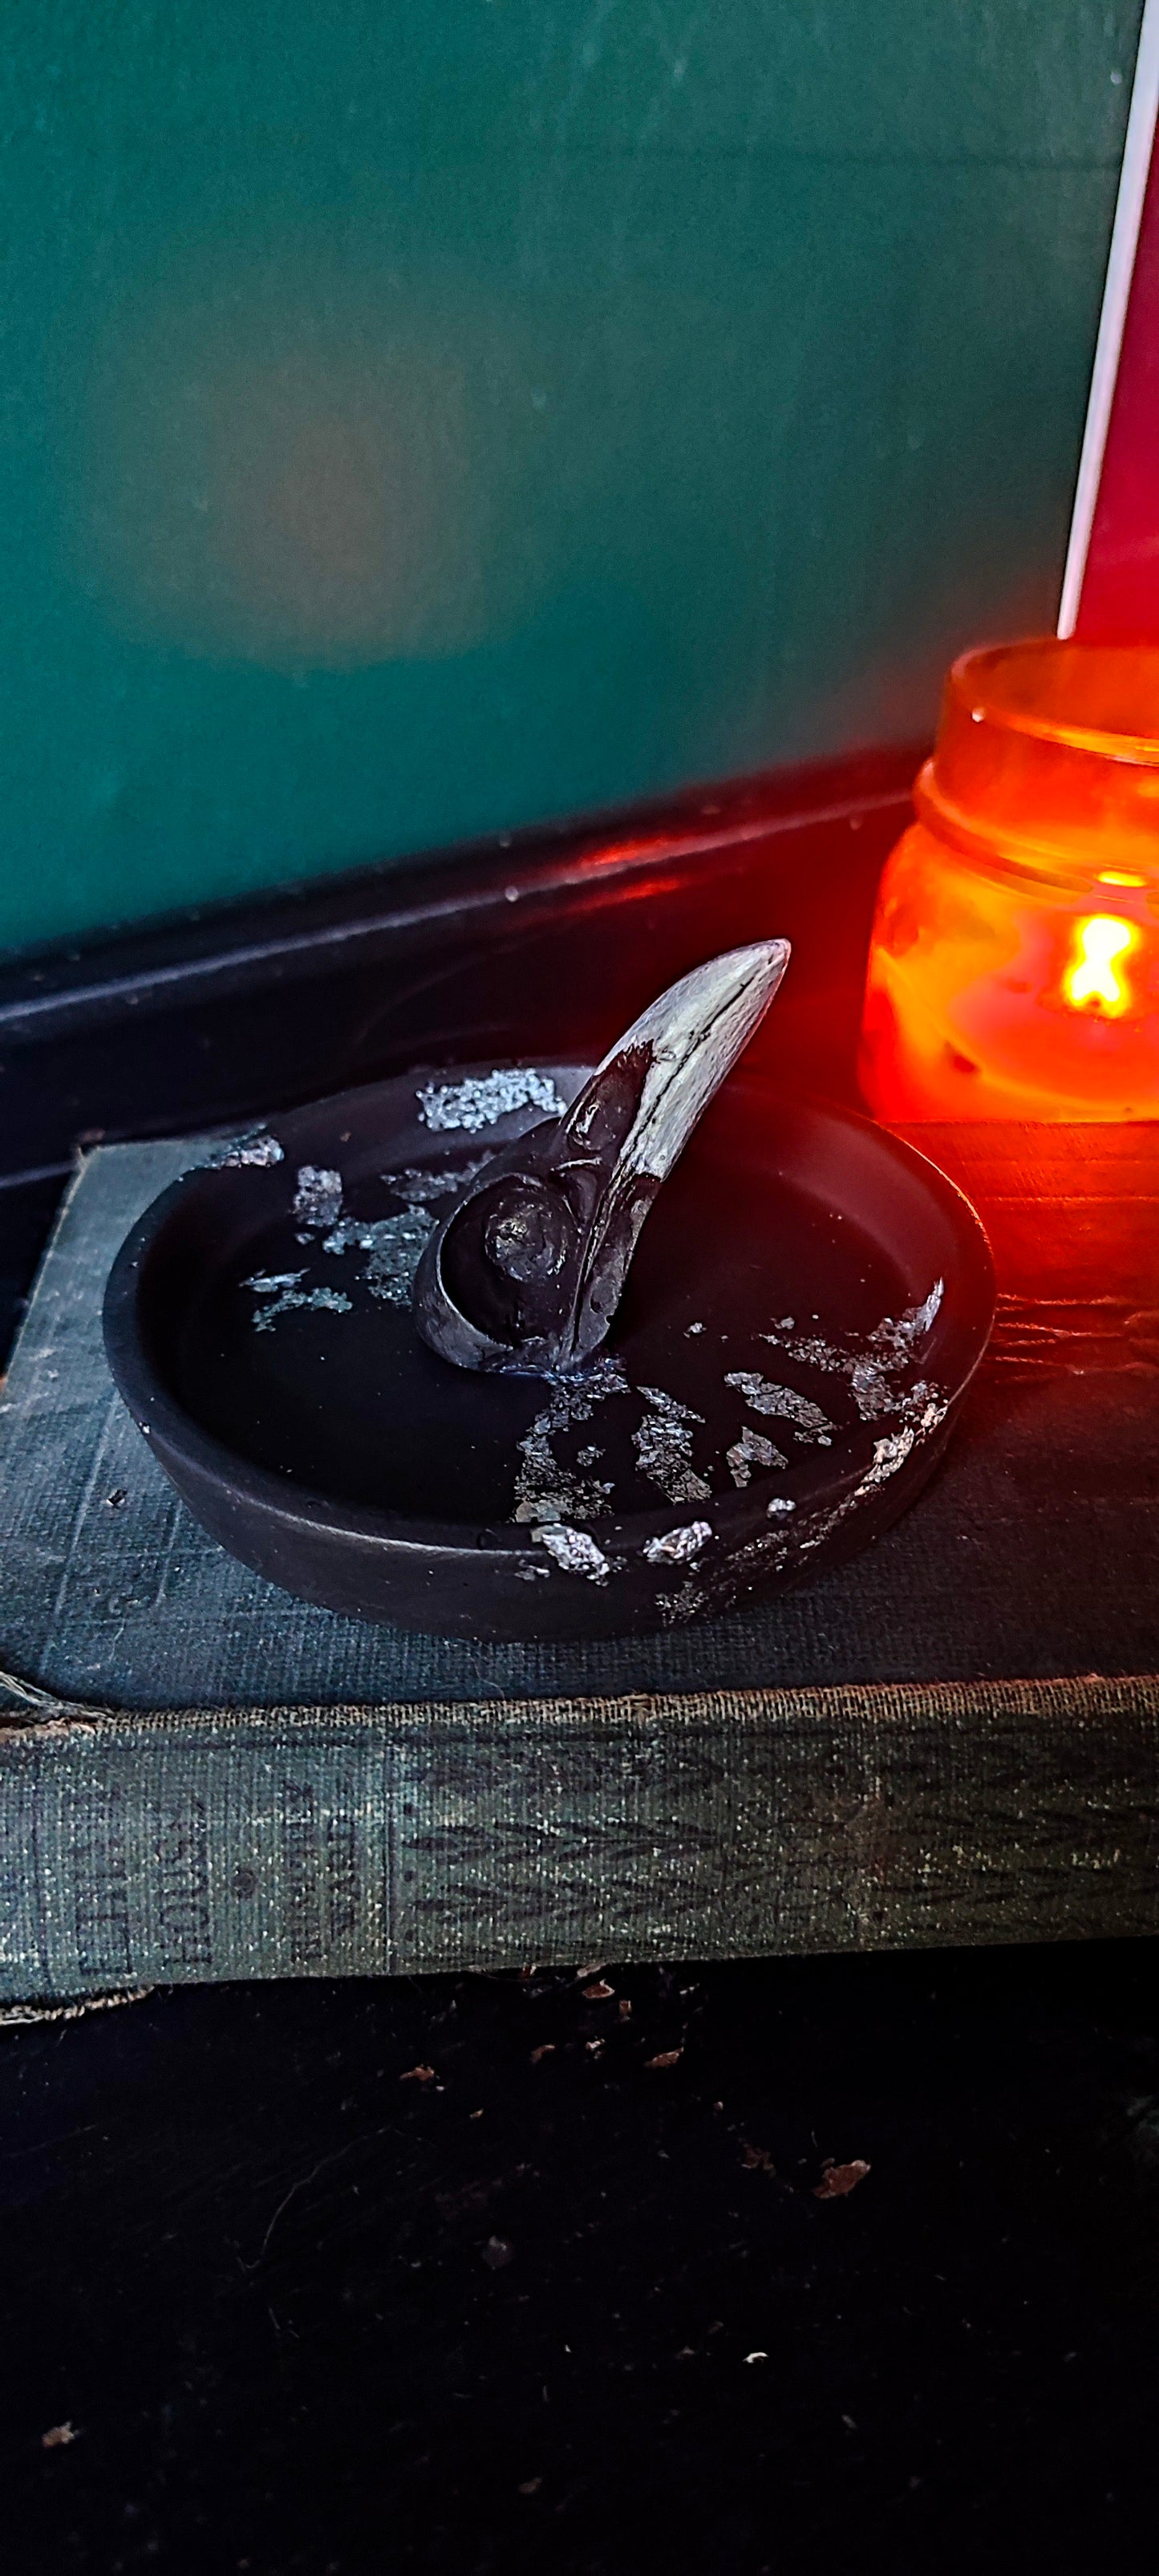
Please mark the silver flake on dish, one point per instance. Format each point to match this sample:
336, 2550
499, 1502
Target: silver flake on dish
678, 1546
393, 1245
926, 1408
573, 1551
266, 1283
282, 1287
546, 1490
751, 1450
318, 1196
479, 1100
693, 1601
784, 1404
873, 1361
663, 1446
256, 1148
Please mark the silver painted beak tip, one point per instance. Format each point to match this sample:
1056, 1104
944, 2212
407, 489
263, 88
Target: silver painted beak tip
758, 969
714, 1010
690, 1038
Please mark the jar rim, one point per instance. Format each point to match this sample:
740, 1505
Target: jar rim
1066, 694
1042, 751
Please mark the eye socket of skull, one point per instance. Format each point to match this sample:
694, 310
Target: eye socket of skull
527, 1233
506, 1258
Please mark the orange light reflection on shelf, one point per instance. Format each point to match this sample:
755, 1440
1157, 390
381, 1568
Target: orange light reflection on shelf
1093, 982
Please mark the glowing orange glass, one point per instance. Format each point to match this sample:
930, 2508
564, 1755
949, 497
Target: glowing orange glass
1006, 978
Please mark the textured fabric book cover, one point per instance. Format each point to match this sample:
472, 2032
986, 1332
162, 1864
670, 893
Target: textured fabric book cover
953, 1739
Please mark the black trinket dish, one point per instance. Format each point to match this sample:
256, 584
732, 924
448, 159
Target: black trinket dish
443, 1351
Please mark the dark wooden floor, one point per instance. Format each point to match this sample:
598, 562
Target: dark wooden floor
277, 2299
489, 2276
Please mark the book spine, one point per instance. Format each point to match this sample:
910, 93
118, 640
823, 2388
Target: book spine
191, 1846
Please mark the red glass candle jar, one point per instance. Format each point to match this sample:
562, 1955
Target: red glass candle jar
1014, 964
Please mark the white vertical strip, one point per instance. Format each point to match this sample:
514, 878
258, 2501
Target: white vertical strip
1120, 267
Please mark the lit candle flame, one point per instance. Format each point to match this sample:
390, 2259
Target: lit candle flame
1092, 978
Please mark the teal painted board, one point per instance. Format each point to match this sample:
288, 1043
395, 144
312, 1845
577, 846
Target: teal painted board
423, 421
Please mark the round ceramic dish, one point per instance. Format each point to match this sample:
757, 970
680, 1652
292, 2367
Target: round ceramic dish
807, 1305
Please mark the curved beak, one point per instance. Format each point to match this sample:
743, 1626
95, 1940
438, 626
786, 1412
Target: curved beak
528, 1267
690, 1039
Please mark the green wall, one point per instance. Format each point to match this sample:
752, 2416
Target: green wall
425, 416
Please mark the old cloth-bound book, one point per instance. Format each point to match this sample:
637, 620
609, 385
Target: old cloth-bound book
954, 1739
